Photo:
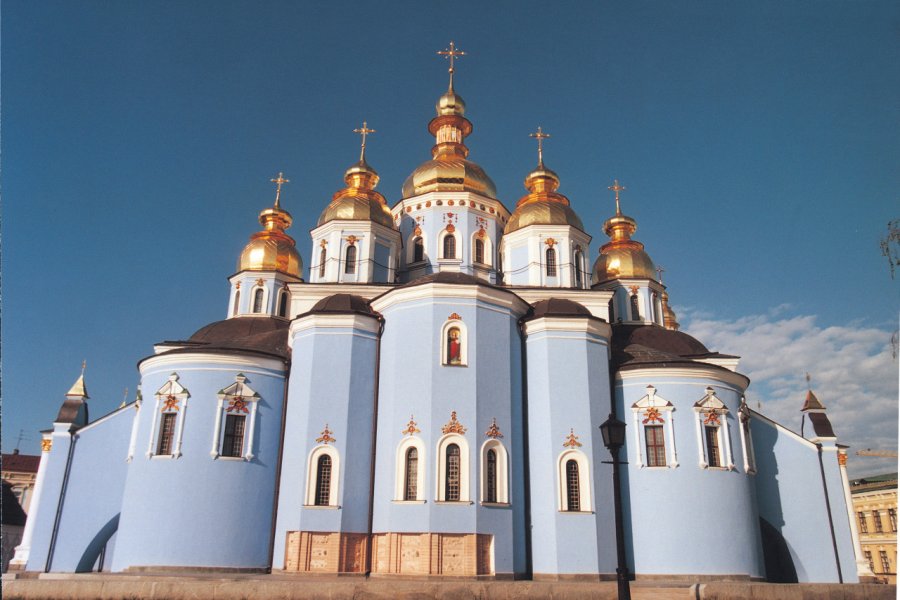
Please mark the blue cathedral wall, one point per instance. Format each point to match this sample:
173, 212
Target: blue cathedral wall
195, 511
414, 382
90, 506
688, 519
792, 501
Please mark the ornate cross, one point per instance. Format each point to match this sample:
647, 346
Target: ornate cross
615, 187
451, 54
363, 131
279, 181
659, 272
540, 136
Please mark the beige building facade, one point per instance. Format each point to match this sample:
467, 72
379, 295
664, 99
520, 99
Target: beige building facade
20, 471
875, 511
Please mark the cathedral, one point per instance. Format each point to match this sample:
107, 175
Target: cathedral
424, 399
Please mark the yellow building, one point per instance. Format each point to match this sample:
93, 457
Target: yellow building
20, 471
875, 505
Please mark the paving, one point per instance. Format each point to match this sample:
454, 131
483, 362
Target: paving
96, 586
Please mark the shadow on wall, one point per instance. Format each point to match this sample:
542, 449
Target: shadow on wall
777, 558
94, 554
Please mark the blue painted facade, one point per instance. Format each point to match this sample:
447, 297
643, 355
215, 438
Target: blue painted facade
439, 415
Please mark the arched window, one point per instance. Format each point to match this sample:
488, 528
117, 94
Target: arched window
237, 303
452, 478
551, 262
490, 484
450, 246
283, 303
454, 346
322, 258
635, 309
573, 494
479, 251
578, 272
410, 489
350, 260
323, 481
418, 250
258, 300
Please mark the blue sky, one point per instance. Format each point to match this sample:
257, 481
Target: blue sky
757, 141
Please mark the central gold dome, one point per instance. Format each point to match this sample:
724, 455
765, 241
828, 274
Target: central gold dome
449, 169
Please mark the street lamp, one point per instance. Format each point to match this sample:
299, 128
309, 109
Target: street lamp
613, 431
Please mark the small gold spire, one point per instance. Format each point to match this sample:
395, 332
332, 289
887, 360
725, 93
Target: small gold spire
659, 272
451, 54
540, 136
78, 388
124, 398
615, 187
363, 132
279, 181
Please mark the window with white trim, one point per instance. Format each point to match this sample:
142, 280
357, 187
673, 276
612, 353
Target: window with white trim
713, 438
322, 257
409, 477
654, 431
635, 307
237, 303
494, 473
167, 429
454, 344
573, 478
284, 299
235, 421
259, 295
418, 249
448, 245
550, 262
350, 260
579, 267
453, 469
322, 476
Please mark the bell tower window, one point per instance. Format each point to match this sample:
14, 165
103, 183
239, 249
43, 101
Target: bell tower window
322, 257
283, 303
237, 303
551, 262
350, 260
450, 246
410, 491
635, 308
258, 300
418, 250
479, 251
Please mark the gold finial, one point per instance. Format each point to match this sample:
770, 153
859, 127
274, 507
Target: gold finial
124, 398
808, 380
617, 188
83, 366
540, 136
279, 181
363, 131
451, 54
659, 272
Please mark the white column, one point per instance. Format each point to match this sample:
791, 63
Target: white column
132, 443
248, 455
862, 565
637, 438
701, 447
674, 461
214, 451
153, 418
729, 463
180, 429
24, 548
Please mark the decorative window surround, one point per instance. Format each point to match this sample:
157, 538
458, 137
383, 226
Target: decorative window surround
241, 400
263, 302
712, 412
171, 398
454, 320
400, 472
747, 438
440, 492
584, 481
457, 246
653, 409
502, 472
312, 473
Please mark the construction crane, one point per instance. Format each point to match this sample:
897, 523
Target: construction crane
870, 452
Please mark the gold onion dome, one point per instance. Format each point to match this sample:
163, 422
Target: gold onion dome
272, 249
669, 319
449, 170
359, 201
542, 205
622, 257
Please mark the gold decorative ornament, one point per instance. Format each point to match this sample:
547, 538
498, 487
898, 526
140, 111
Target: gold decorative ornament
493, 431
352, 239
842, 458
237, 286
417, 231
634, 290
451, 228
550, 242
712, 418
323, 243
454, 317
481, 233
46, 445
572, 440
453, 425
237, 404
170, 403
260, 281
652, 416
326, 437
540, 136
411, 428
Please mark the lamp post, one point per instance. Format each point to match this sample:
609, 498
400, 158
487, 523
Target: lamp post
613, 431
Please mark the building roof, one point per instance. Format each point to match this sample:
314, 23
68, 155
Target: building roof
263, 335
20, 463
12, 514
343, 304
558, 307
811, 402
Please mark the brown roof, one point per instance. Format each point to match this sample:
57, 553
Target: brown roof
821, 424
21, 463
558, 307
811, 402
257, 335
343, 304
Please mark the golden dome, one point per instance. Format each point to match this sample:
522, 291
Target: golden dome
622, 257
358, 201
669, 320
543, 205
449, 169
272, 249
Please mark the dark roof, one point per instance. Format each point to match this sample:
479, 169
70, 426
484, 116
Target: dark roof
659, 338
13, 515
558, 307
258, 335
447, 277
73, 410
20, 463
821, 424
343, 304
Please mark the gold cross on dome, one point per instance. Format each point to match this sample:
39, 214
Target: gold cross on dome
279, 181
363, 132
451, 55
617, 188
540, 136
659, 272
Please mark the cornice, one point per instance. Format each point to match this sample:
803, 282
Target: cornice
575, 324
712, 372
484, 293
226, 361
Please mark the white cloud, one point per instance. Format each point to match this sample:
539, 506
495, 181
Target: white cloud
853, 374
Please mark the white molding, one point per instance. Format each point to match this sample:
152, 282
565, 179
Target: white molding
584, 481
132, 440
165, 362
217, 427
652, 400
312, 475
367, 323
440, 491
492, 295
499, 209
576, 324
463, 343
740, 382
